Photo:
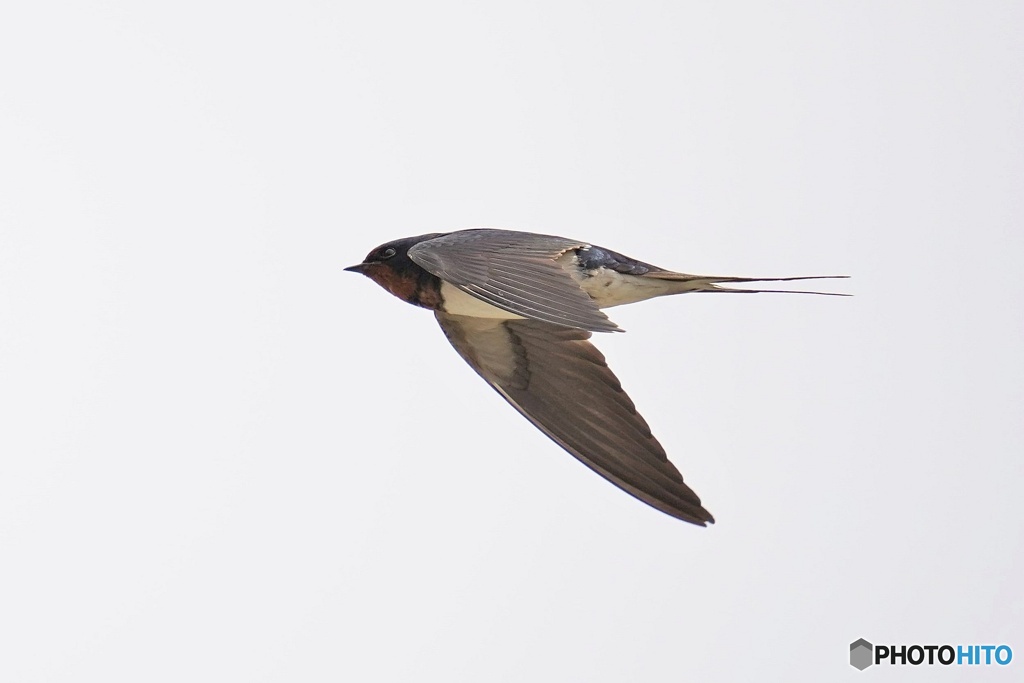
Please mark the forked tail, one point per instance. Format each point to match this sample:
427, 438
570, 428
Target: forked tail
707, 283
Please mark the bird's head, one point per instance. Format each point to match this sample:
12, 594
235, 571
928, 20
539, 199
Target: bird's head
390, 267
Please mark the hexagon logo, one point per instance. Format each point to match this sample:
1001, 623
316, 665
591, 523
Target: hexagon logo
861, 654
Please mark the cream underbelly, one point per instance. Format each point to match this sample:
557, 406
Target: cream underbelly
608, 288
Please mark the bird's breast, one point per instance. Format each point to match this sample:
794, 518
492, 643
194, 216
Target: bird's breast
457, 302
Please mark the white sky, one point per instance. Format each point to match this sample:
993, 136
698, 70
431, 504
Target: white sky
222, 458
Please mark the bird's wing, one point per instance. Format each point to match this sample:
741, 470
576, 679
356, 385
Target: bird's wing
560, 382
516, 272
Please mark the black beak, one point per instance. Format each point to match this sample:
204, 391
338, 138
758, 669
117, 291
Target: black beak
358, 268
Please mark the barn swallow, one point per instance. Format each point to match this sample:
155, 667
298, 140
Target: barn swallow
520, 307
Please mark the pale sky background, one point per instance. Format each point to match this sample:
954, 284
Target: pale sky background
222, 458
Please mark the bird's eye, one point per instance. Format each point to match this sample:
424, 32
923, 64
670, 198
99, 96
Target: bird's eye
388, 253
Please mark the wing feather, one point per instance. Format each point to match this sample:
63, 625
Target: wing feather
515, 271
561, 383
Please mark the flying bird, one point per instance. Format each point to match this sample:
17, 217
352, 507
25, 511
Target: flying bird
520, 309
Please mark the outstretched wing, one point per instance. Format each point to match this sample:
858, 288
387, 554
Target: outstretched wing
560, 382
518, 272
